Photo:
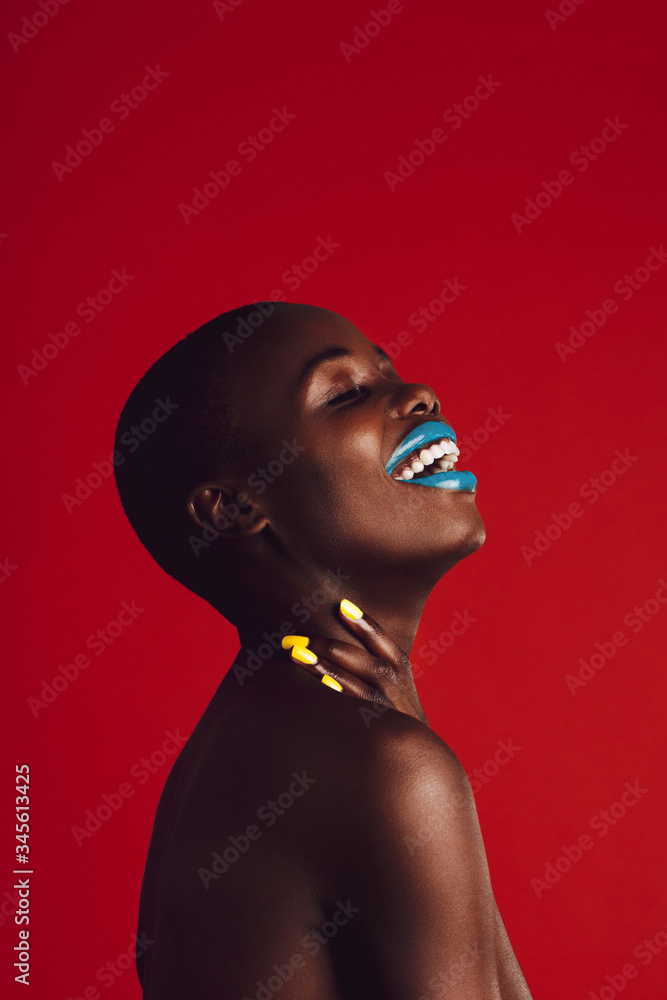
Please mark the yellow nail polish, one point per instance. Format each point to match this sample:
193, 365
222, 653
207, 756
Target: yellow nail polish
303, 655
331, 683
294, 640
351, 610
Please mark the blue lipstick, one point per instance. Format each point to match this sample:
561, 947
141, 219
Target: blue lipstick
421, 437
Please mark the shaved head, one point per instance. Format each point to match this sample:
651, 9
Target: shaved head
196, 431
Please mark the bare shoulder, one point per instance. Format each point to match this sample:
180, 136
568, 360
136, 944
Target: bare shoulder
393, 750
391, 780
399, 742
416, 867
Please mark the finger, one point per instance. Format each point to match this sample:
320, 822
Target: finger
333, 675
374, 638
373, 671
354, 659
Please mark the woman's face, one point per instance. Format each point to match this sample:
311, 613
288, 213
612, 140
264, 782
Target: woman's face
314, 382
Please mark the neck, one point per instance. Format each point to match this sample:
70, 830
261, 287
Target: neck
315, 613
282, 592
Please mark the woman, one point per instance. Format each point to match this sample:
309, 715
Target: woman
313, 840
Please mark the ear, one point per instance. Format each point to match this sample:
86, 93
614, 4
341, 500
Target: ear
232, 515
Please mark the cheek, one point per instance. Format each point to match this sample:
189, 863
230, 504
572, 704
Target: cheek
344, 511
405, 525
328, 507
333, 480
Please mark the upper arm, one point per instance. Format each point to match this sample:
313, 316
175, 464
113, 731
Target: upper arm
427, 915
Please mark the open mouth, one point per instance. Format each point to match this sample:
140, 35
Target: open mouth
427, 456
440, 456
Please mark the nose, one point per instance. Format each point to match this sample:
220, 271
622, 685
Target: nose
413, 398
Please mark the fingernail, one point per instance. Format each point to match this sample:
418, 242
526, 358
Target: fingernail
331, 683
294, 640
351, 610
303, 655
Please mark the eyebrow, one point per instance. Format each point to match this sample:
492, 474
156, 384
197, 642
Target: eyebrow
330, 354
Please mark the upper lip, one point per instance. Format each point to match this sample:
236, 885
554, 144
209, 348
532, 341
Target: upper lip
421, 435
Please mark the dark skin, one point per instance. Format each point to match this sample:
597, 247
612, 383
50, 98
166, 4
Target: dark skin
368, 878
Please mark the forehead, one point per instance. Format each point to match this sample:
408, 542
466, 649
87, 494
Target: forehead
300, 330
268, 364
288, 339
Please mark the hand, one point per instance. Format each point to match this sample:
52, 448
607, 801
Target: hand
380, 673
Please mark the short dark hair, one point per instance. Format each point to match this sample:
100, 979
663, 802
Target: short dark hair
180, 427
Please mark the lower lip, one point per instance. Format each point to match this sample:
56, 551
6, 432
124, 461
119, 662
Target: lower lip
463, 481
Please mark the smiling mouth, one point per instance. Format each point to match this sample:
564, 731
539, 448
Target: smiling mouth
427, 457
440, 456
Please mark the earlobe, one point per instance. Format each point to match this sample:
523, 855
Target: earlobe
231, 515
252, 521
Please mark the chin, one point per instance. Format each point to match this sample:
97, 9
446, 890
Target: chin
464, 537
474, 541
477, 534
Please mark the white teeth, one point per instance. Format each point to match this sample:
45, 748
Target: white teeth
448, 447
441, 454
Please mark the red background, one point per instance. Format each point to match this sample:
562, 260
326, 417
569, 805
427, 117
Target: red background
494, 347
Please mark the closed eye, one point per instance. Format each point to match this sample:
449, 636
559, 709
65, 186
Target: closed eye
352, 394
